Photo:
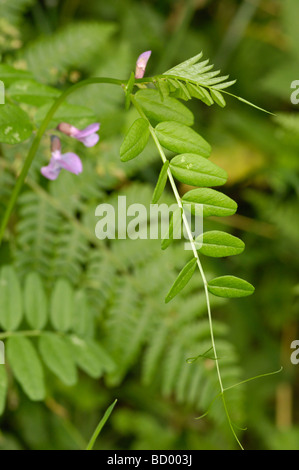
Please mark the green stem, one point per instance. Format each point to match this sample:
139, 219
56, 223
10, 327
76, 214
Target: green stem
230, 421
8, 334
191, 240
223, 91
38, 137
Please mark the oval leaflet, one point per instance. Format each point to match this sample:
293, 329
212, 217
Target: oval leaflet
135, 140
180, 138
217, 244
197, 171
230, 287
170, 109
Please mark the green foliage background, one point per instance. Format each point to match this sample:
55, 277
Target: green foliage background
138, 346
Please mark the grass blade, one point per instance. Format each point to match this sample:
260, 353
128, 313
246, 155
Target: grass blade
100, 426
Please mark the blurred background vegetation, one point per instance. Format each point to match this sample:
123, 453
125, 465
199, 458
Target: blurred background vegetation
256, 42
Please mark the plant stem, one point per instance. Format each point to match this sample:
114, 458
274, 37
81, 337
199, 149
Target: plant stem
190, 237
8, 334
38, 137
191, 240
205, 283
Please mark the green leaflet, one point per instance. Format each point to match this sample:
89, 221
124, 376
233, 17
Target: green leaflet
218, 97
222, 86
213, 203
162, 87
230, 286
172, 84
174, 229
200, 93
82, 319
58, 356
217, 244
184, 91
91, 357
178, 89
168, 109
135, 140
62, 305
182, 280
161, 183
197, 171
180, 138
26, 366
15, 125
11, 308
33, 93
35, 301
3, 387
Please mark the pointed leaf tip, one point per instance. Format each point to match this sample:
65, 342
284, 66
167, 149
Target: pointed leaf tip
182, 279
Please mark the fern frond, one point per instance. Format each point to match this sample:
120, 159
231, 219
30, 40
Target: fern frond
36, 234
71, 251
99, 280
127, 326
7, 182
51, 57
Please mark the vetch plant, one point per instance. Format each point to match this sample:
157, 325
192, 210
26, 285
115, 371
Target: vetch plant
68, 161
141, 64
163, 118
87, 136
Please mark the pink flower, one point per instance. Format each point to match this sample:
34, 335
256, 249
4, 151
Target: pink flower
141, 64
67, 161
87, 136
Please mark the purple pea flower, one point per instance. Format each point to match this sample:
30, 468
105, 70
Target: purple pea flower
141, 64
67, 161
87, 136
